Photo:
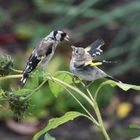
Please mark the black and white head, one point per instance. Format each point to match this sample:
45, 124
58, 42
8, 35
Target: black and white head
59, 35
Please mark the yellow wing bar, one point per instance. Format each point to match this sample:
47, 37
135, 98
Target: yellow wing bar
93, 64
87, 49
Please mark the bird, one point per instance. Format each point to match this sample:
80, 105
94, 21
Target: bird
85, 66
43, 53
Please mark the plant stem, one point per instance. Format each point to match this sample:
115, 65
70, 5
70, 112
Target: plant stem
98, 114
90, 95
93, 104
97, 111
73, 88
31, 94
18, 71
90, 116
10, 77
97, 91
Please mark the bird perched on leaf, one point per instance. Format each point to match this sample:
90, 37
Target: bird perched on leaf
84, 64
43, 53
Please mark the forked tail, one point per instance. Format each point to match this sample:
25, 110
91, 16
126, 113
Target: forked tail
23, 79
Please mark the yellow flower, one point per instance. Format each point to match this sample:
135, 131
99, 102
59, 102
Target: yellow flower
124, 109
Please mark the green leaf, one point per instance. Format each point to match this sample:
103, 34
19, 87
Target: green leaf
138, 138
48, 137
123, 86
53, 123
57, 88
40, 73
23, 90
135, 126
34, 82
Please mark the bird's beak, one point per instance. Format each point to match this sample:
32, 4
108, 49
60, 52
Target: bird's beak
67, 38
73, 47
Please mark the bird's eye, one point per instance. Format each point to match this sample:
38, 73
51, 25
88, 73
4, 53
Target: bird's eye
51, 38
76, 51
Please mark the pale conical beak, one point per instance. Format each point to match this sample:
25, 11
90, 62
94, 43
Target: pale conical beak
67, 38
73, 47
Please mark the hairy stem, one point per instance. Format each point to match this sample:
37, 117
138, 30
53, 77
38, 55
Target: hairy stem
10, 77
97, 111
98, 114
15, 70
73, 88
97, 91
90, 95
33, 92
92, 103
90, 116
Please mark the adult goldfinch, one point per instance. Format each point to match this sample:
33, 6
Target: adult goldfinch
43, 53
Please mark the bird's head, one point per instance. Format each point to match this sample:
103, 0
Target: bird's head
59, 35
79, 54
77, 51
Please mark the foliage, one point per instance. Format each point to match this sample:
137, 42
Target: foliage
6, 63
53, 123
94, 105
134, 126
56, 88
19, 104
80, 18
138, 138
48, 137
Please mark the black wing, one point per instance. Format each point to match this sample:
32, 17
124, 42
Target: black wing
31, 65
95, 48
104, 61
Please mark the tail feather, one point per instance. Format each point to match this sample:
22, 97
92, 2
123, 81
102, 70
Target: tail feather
23, 80
113, 79
109, 62
31, 65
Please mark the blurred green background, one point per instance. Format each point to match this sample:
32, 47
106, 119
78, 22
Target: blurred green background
24, 23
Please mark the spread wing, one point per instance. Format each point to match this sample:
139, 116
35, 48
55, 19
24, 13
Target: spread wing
95, 48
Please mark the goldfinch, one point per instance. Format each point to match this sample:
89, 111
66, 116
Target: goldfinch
84, 65
43, 53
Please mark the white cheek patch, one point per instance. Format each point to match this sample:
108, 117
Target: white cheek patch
58, 36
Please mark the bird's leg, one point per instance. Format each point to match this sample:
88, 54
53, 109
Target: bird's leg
74, 78
87, 85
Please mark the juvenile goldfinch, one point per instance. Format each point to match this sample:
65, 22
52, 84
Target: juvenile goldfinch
84, 65
43, 53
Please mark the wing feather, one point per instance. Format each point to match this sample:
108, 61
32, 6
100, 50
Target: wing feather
95, 48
